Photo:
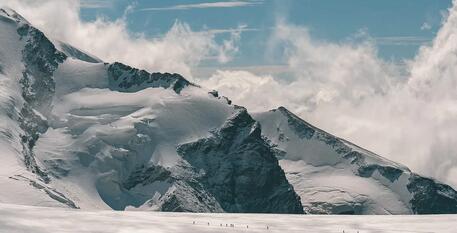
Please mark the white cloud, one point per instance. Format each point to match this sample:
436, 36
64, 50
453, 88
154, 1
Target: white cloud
178, 50
329, 72
225, 4
410, 117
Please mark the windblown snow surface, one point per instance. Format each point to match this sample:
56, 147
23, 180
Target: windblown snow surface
24, 219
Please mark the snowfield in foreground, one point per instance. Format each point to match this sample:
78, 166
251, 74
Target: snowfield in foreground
17, 218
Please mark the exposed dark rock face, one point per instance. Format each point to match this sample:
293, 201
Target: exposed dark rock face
33, 126
189, 195
430, 197
391, 173
40, 59
145, 176
127, 79
214, 93
240, 169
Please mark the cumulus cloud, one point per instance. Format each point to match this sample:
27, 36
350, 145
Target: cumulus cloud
320, 73
178, 50
407, 113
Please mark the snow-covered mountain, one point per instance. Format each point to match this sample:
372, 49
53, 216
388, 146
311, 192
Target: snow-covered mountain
332, 175
76, 132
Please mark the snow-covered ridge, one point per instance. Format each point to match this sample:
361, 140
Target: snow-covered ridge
76, 53
125, 78
336, 176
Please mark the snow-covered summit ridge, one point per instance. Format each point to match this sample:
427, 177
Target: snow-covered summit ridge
76, 53
121, 77
333, 175
358, 155
128, 79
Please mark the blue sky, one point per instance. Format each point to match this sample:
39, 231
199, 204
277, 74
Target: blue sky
399, 27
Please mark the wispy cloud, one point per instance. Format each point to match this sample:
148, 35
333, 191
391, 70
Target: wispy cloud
204, 5
242, 28
426, 26
95, 4
402, 40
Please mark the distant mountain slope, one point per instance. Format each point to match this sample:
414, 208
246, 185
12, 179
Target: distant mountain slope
332, 175
76, 132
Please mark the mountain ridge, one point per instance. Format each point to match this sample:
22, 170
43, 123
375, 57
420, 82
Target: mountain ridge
85, 134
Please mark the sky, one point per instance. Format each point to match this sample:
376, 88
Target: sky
381, 74
398, 27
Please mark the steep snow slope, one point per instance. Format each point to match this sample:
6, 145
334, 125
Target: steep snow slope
332, 175
19, 123
101, 136
16, 219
